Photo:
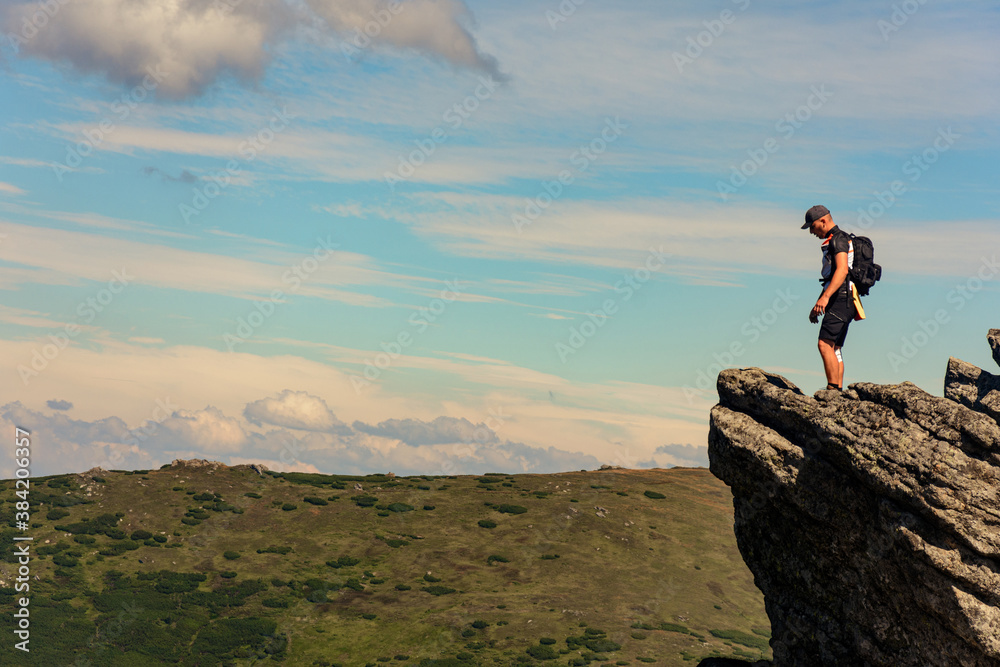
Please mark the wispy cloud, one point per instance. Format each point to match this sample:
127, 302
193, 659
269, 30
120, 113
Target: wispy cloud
95, 256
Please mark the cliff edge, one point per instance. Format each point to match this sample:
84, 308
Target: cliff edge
870, 519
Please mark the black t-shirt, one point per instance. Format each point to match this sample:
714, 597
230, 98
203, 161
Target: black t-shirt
837, 242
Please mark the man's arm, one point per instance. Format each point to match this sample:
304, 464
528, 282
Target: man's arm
839, 275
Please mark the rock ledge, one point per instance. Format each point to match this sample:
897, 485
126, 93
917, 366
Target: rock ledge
870, 518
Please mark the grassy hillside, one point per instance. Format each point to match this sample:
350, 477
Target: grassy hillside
209, 565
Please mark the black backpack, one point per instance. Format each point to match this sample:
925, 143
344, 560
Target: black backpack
865, 272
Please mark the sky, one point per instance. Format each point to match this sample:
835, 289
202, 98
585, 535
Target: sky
446, 237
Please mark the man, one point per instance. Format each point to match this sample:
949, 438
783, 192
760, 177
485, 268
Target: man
835, 303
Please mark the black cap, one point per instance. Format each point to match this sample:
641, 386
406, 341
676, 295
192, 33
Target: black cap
814, 214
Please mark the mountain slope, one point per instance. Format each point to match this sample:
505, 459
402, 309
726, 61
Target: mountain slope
202, 564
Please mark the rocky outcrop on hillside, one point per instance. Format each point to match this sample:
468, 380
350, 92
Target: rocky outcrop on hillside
869, 518
212, 466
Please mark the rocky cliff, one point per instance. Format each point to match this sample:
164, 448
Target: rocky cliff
869, 518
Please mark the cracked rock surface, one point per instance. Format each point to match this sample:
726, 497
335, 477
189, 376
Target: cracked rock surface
869, 518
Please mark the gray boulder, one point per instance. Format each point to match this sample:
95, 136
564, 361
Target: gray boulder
870, 519
972, 387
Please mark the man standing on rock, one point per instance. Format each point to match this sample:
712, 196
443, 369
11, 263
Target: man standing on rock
835, 303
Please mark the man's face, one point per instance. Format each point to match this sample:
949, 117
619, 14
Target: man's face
820, 227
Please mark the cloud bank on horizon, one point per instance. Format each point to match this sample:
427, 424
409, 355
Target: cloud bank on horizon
436, 235
288, 437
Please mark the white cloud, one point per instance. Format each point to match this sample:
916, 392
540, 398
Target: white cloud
688, 456
297, 410
61, 444
442, 430
188, 45
10, 189
207, 430
430, 26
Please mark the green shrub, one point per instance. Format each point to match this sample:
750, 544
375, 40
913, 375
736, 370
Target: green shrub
654, 495
403, 587
673, 627
542, 652
431, 578
288, 507
65, 560
593, 640
84, 539
395, 544
314, 500
364, 501
228, 574
497, 558
56, 514
371, 617
225, 637
487, 523
160, 538
550, 556
251, 494
468, 632
317, 596
343, 561
479, 625
354, 584
275, 550
140, 535
428, 507
275, 603
438, 590
400, 507
511, 509
190, 522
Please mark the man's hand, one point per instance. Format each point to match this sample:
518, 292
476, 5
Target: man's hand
819, 308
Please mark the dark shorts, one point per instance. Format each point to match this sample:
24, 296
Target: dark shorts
837, 318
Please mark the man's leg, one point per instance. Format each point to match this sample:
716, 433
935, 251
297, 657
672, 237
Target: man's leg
831, 364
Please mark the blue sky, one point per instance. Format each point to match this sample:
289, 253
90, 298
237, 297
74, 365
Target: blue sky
497, 236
